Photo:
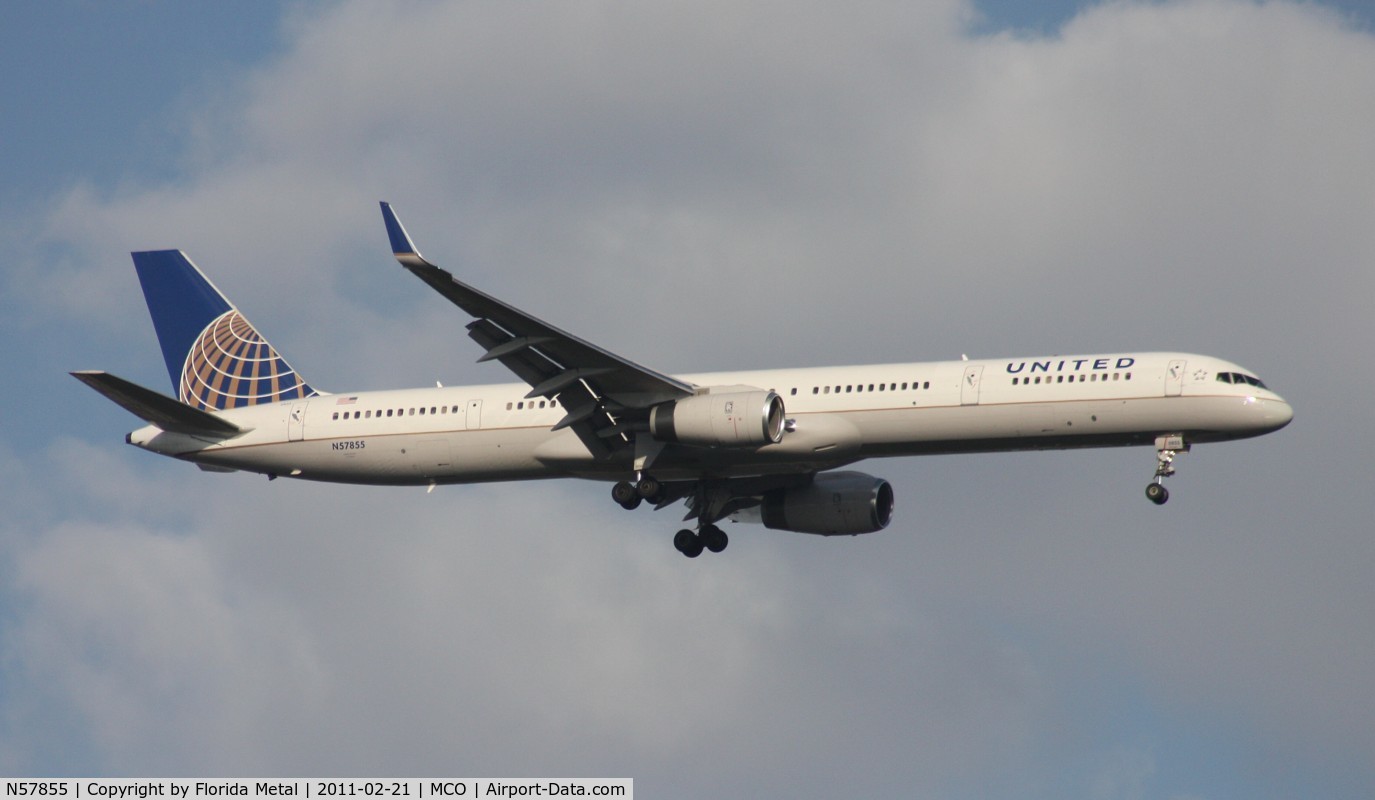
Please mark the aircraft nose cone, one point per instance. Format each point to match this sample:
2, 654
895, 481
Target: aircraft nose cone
1278, 413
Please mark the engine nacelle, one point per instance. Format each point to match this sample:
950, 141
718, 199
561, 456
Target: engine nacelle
834, 503
725, 419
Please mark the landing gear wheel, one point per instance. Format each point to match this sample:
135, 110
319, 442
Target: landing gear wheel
624, 493
1157, 493
688, 543
650, 489
714, 539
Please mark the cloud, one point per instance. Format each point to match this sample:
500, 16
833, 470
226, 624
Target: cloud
221, 643
714, 187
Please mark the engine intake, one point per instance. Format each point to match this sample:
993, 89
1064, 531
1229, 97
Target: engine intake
725, 419
834, 503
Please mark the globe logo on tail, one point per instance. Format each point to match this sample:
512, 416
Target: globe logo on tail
231, 366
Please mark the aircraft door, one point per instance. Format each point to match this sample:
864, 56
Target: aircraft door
1174, 378
969, 387
474, 420
296, 421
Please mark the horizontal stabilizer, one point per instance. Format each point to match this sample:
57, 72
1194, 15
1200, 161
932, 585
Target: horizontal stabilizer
158, 409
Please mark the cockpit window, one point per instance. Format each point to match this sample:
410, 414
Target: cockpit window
1241, 378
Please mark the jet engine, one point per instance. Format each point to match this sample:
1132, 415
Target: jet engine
834, 503
725, 419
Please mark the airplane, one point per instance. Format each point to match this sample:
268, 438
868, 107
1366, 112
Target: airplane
765, 446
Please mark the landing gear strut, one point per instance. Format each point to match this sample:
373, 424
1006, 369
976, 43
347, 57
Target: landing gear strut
1166, 448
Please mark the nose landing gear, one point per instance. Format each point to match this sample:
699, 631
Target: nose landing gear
1166, 448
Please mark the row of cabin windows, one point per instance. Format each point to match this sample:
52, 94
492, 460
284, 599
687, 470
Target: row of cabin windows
522, 406
1091, 378
411, 412
861, 387
845, 388
399, 412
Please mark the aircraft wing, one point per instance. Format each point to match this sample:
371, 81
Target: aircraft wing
604, 394
159, 409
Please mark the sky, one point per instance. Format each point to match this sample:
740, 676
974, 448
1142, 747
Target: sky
699, 186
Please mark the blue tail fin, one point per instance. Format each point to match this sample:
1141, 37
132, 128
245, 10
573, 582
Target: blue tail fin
215, 357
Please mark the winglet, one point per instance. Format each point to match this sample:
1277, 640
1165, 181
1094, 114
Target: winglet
401, 245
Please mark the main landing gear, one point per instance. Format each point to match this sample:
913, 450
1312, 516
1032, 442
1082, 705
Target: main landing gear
1166, 448
626, 496
691, 543
688, 542
630, 495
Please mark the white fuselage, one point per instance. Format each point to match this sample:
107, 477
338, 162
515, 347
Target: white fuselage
838, 415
